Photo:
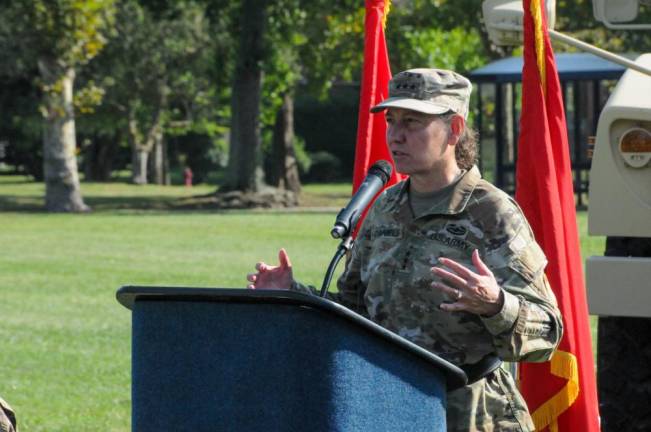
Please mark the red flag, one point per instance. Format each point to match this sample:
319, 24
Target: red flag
561, 394
371, 128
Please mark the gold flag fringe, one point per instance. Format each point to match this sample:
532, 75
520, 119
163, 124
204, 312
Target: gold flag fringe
536, 13
563, 365
387, 7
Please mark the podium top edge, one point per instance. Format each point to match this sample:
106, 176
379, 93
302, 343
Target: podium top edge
128, 295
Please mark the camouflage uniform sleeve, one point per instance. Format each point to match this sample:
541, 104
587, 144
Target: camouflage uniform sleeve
304, 289
350, 292
346, 296
7, 417
350, 289
529, 326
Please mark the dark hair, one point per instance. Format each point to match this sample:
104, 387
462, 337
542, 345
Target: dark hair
466, 149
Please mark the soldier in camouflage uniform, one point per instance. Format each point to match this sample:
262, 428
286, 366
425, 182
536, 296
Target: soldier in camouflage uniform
7, 417
445, 259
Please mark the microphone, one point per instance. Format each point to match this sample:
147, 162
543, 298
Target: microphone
377, 176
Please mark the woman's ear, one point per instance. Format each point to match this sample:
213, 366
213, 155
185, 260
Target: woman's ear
457, 125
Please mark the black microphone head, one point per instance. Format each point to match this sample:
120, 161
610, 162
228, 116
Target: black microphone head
383, 169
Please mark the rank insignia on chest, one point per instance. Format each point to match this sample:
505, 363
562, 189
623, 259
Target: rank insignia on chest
456, 230
392, 231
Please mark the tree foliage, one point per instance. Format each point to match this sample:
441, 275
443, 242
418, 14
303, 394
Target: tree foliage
155, 73
57, 36
73, 32
284, 38
576, 18
161, 74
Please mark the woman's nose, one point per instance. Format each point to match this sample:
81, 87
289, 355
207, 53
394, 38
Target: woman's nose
395, 133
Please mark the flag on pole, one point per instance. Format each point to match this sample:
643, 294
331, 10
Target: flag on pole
371, 128
561, 394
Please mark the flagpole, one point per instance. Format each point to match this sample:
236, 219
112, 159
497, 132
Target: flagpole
576, 43
583, 46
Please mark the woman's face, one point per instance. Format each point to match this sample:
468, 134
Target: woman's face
418, 142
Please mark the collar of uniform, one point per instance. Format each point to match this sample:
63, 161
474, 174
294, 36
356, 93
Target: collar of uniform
453, 203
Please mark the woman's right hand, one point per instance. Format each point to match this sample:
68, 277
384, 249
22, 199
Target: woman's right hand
272, 277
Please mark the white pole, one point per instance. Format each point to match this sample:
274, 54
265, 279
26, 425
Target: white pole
599, 52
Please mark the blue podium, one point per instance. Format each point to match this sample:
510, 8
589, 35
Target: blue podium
208, 359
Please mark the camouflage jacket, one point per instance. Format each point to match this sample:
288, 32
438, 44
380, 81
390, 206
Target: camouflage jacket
388, 279
7, 417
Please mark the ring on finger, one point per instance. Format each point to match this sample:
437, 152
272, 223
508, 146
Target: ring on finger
459, 295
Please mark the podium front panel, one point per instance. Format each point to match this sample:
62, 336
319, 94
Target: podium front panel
214, 366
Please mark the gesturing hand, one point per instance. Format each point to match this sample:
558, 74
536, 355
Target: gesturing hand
472, 292
272, 277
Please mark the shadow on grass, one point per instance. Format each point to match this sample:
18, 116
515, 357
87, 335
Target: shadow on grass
9, 203
16, 181
160, 203
32, 204
23, 195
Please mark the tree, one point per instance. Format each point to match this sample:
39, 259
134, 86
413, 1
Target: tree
58, 37
419, 28
316, 43
243, 161
283, 41
284, 171
155, 76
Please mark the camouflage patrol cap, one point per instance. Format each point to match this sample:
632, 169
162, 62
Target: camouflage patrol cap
430, 91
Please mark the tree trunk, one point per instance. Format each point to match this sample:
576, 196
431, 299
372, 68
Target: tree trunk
62, 190
156, 139
159, 159
139, 160
167, 180
139, 154
244, 150
285, 166
509, 134
141, 149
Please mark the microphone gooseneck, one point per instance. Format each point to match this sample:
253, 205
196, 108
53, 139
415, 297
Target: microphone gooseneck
377, 176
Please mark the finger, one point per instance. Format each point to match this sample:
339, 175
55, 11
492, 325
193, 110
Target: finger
261, 267
453, 293
459, 269
250, 286
449, 277
251, 277
452, 307
479, 264
283, 258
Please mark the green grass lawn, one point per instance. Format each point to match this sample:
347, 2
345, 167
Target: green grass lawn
21, 194
65, 358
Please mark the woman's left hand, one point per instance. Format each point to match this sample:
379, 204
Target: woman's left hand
477, 293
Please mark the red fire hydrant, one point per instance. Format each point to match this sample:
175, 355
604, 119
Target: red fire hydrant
187, 175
